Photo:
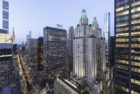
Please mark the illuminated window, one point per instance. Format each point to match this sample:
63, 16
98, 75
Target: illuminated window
122, 61
122, 45
135, 3
135, 27
135, 45
135, 22
122, 40
122, 13
122, 8
136, 39
122, 67
135, 70
136, 15
122, 29
135, 57
122, 24
122, 35
135, 9
135, 63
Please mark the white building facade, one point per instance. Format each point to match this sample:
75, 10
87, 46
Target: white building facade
89, 52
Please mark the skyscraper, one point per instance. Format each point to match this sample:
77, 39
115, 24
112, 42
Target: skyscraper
6, 47
107, 35
70, 48
89, 54
127, 47
54, 45
79, 47
33, 56
40, 54
4, 17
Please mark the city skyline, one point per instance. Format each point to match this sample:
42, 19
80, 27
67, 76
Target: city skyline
38, 14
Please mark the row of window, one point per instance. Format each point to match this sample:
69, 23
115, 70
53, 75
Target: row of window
127, 45
122, 35
122, 61
119, 3
122, 45
122, 13
127, 6
126, 34
122, 88
135, 63
123, 18
122, 29
126, 62
122, 8
135, 70
122, 24
126, 12
135, 58
122, 67
126, 24
122, 40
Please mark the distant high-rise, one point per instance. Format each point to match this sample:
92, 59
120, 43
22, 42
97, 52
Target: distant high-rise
33, 56
54, 45
107, 35
127, 47
40, 54
4, 17
70, 48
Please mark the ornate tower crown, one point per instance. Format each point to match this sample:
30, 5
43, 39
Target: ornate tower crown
84, 19
95, 21
84, 15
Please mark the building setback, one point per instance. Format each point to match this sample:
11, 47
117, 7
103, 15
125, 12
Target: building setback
54, 45
127, 47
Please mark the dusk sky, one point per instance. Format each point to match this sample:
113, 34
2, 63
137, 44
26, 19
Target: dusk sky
34, 15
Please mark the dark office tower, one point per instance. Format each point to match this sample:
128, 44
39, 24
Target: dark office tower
127, 46
112, 50
54, 44
70, 48
5, 16
15, 49
40, 54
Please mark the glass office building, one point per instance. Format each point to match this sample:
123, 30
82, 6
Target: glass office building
127, 47
54, 45
5, 16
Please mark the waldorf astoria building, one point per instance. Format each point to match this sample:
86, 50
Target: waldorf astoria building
127, 47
